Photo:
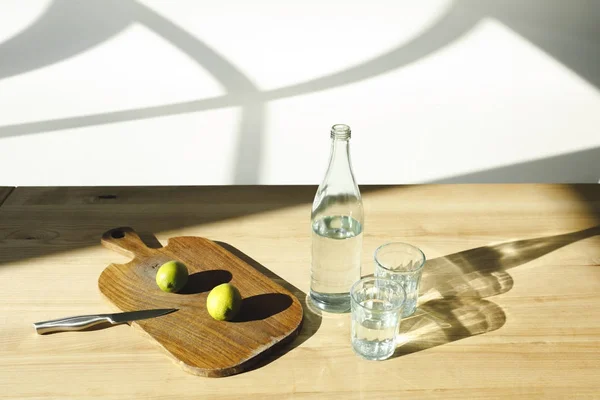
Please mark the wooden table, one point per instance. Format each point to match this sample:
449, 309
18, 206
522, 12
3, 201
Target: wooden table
510, 299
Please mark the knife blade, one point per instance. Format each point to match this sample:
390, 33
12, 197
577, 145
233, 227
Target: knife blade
82, 322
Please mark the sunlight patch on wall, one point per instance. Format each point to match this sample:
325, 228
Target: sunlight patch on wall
486, 100
188, 149
21, 16
279, 44
133, 69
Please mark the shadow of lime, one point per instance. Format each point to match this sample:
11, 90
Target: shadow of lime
262, 306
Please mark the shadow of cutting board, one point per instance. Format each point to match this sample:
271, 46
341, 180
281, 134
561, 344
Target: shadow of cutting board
270, 315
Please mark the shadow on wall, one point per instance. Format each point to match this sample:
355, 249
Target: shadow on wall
566, 30
577, 167
68, 28
569, 31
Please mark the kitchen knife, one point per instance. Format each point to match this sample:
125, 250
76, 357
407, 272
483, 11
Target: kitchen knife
82, 322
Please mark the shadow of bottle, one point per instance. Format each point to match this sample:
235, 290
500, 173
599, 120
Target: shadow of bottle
452, 303
310, 321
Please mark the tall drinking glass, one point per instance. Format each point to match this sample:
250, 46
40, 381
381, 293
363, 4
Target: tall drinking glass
403, 263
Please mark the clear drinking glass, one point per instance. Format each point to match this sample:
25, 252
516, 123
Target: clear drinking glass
376, 307
403, 263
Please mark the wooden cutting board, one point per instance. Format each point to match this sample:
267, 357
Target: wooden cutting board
269, 317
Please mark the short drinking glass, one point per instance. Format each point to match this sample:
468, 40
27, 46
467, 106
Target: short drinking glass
402, 263
376, 307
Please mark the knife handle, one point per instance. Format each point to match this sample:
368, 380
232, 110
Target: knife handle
70, 324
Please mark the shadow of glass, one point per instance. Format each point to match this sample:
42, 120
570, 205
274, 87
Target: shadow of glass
262, 306
205, 281
446, 320
451, 305
482, 271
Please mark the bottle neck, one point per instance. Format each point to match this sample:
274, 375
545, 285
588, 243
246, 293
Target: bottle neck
340, 147
338, 193
340, 155
339, 175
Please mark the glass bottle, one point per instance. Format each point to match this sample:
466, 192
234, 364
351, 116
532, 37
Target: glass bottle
337, 226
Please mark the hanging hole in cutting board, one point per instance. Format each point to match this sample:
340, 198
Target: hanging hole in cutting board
118, 234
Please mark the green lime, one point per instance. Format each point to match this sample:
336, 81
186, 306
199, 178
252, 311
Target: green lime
223, 302
172, 276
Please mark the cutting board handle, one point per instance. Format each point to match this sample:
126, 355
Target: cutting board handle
126, 241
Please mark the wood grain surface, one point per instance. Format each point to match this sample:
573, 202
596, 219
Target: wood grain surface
270, 316
509, 307
4, 192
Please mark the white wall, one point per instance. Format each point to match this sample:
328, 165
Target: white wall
116, 92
